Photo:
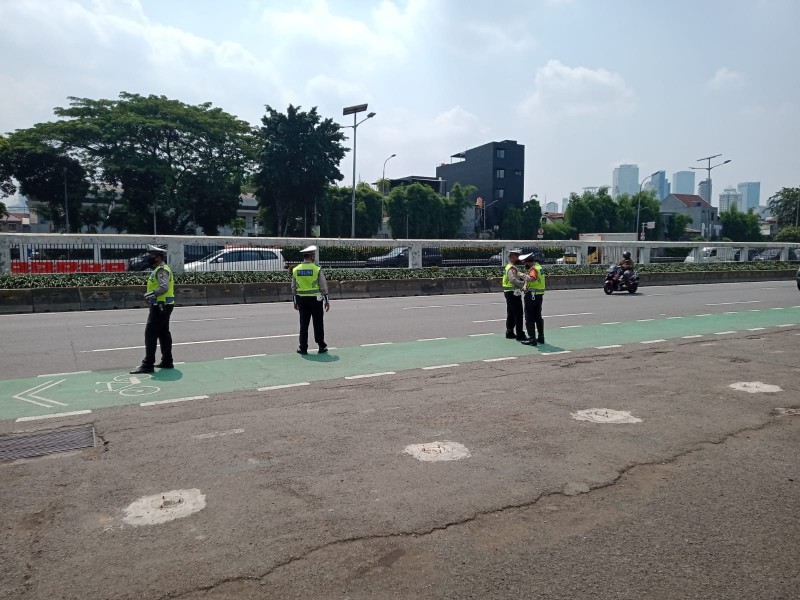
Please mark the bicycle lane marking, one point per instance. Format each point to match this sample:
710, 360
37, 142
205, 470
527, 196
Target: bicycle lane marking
90, 391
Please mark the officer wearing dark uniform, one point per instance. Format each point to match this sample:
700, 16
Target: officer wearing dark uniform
161, 297
310, 293
534, 295
513, 288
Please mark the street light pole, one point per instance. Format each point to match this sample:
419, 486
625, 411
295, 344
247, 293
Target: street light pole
383, 185
708, 181
639, 201
66, 204
354, 110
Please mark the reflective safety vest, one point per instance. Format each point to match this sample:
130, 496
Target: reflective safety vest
536, 285
507, 285
306, 274
152, 285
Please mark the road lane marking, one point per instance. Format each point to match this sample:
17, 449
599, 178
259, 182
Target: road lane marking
570, 326
737, 302
611, 323
489, 321
206, 436
757, 329
500, 359
724, 332
54, 416
607, 347
644, 320
62, 374
430, 339
439, 367
668, 318
173, 400
171, 322
242, 356
246, 339
788, 325
554, 353
283, 387
479, 334
690, 337
32, 393
376, 344
370, 375
652, 341
545, 316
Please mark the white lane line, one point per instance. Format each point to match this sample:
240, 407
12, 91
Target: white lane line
500, 359
206, 436
652, 341
777, 308
737, 302
439, 367
644, 320
479, 334
788, 325
753, 310
731, 312
690, 337
376, 344
283, 387
32, 393
570, 326
171, 322
247, 339
554, 353
242, 356
370, 375
430, 339
723, 332
449, 305
489, 321
545, 316
173, 400
54, 416
704, 315
668, 318
607, 347
60, 374
611, 323
757, 329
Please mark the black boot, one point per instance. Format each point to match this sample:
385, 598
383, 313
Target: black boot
142, 369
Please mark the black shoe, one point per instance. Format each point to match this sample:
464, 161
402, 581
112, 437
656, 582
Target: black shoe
301, 351
142, 369
529, 342
510, 336
165, 365
322, 350
522, 339
540, 339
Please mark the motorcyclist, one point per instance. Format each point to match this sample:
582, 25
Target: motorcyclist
626, 266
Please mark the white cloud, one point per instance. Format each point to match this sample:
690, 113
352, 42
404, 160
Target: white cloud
725, 79
564, 92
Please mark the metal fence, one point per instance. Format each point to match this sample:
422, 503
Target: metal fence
83, 253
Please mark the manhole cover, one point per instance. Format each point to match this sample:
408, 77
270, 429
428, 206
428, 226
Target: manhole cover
41, 443
160, 508
435, 451
605, 415
756, 387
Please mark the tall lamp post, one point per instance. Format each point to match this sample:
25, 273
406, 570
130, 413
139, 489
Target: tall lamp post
708, 180
354, 110
66, 205
383, 183
639, 202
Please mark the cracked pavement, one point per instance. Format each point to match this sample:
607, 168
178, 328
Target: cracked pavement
309, 495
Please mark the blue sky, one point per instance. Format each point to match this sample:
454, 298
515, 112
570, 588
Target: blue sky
585, 85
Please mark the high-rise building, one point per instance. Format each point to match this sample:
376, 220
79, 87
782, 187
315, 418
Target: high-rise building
497, 170
564, 204
660, 184
551, 207
704, 190
625, 181
729, 198
751, 194
683, 182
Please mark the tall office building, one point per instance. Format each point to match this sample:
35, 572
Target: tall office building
564, 204
729, 198
704, 190
751, 194
625, 181
551, 207
660, 184
683, 182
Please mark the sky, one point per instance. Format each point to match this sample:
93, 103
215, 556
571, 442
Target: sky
584, 85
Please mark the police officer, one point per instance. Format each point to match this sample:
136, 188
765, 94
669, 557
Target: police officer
513, 288
310, 293
161, 297
534, 295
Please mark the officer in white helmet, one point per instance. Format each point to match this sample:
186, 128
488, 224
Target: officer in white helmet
160, 295
310, 294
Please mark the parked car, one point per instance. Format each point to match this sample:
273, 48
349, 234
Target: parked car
140, 262
195, 252
239, 259
398, 257
713, 254
774, 254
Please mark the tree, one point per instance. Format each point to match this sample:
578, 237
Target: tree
676, 226
785, 206
298, 157
739, 226
237, 226
579, 214
7, 186
3, 211
789, 234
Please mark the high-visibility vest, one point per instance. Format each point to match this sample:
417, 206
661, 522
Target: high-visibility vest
536, 285
507, 285
153, 284
306, 274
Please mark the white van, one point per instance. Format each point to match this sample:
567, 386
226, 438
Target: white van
713, 254
239, 259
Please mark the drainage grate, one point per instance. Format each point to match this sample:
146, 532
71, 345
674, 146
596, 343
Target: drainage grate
42, 443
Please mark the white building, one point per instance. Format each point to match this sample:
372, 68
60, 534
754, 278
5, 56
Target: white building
625, 181
730, 197
683, 182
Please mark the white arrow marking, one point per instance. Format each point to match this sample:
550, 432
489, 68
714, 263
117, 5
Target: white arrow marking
32, 393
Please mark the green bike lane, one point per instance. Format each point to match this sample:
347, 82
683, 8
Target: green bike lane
80, 393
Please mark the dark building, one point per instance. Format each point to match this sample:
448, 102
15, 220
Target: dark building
435, 184
497, 169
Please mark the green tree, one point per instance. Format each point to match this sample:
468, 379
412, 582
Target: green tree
298, 157
417, 211
237, 226
579, 214
785, 206
511, 225
739, 226
788, 234
558, 231
7, 186
3, 210
676, 226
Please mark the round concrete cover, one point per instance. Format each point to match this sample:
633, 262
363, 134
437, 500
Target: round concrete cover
160, 508
756, 387
605, 415
436, 451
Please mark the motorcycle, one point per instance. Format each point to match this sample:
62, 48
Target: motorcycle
615, 281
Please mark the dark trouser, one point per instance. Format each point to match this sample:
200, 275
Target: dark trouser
309, 307
157, 332
533, 314
514, 315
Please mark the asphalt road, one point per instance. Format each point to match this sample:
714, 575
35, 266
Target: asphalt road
309, 493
